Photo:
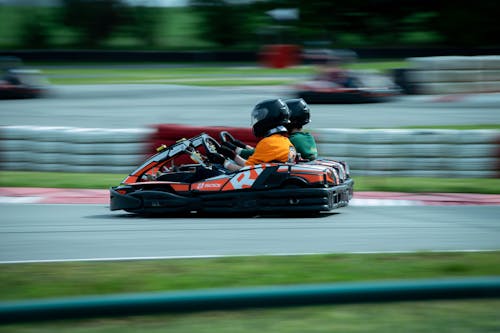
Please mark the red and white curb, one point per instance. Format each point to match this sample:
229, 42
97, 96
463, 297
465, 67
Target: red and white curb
33, 195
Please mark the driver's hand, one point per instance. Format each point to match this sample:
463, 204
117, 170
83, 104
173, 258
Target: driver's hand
238, 143
229, 145
227, 152
216, 158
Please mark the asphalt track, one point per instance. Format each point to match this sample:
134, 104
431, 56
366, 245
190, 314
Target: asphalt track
133, 106
40, 232
37, 232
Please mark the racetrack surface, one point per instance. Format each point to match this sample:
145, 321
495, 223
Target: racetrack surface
134, 105
33, 232
40, 232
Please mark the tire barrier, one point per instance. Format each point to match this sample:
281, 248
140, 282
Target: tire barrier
424, 153
379, 152
71, 149
452, 75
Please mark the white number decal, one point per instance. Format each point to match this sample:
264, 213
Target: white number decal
244, 179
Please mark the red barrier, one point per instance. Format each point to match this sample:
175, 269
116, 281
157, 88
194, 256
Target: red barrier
280, 55
168, 134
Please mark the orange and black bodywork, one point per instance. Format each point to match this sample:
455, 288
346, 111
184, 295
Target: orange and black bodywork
162, 184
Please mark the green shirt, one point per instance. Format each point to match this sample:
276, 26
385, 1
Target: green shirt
305, 145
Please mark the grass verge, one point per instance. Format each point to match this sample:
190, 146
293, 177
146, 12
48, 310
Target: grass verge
362, 183
41, 280
470, 316
217, 75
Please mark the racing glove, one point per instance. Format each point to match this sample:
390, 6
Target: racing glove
229, 145
227, 152
216, 158
238, 143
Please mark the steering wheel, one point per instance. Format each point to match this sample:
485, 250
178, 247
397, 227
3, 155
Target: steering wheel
225, 136
211, 145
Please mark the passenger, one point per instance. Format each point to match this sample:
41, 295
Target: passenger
304, 142
269, 118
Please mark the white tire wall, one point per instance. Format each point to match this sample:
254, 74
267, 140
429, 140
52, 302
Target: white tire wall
423, 153
384, 152
454, 74
71, 149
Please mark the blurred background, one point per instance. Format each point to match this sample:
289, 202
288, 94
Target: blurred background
247, 25
406, 92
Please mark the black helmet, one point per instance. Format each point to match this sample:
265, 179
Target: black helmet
268, 115
300, 114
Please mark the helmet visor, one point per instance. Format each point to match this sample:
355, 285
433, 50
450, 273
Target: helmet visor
258, 115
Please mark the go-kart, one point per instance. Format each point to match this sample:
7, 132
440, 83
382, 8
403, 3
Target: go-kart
353, 88
17, 82
169, 182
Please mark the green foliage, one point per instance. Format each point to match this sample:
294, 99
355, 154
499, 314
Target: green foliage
221, 22
212, 24
363, 183
95, 20
34, 31
370, 23
142, 24
465, 23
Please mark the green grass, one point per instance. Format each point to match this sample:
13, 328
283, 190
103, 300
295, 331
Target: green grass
381, 65
362, 183
470, 316
228, 75
201, 76
42, 280
59, 179
221, 82
45, 280
433, 185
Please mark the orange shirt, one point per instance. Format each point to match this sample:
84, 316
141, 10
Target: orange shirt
274, 148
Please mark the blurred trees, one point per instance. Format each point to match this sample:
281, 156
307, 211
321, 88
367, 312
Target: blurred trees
355, 23
221, 22
367, 22
97, 20
460, 23
246, 24
35, 30
468, 23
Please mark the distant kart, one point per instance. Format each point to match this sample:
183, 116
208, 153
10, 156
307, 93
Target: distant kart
17, 82
357, 88
168, 183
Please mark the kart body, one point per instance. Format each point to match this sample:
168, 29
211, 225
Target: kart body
168, 182
353, 87
17, 82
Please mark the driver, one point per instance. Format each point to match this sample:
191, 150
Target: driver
269, 118
304, 143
